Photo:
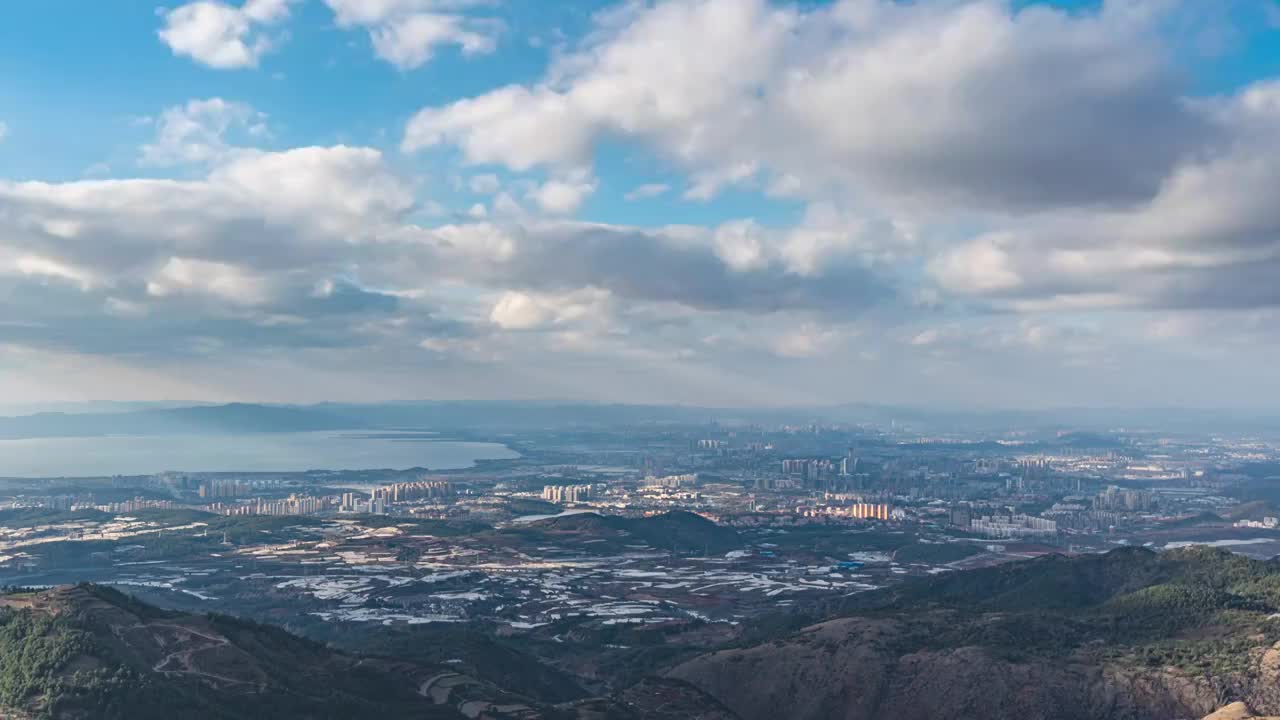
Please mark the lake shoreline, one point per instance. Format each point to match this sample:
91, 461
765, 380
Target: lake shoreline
88, 457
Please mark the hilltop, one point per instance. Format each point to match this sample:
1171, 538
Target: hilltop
677, 531
1131, 634
88, 651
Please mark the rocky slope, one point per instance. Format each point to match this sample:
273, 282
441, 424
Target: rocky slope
1131, 635
87, 651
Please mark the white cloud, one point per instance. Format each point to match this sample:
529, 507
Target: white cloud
406, 33
520, 311
742, 245
4, 131
513, 126
341, 189
664, 75
410, 42
515, 310
274, 210
39, 266
967, 169
198, 131
562, 197
220, 35
982, 265
828, 237
806, 341
649, 190
706, 184
940, 105
824, 241
1210, 237
486, 184
217, 279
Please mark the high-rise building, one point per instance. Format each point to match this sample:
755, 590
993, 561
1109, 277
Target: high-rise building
871, 511
567, 493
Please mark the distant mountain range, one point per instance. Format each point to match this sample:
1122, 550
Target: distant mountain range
203, 419
513, 415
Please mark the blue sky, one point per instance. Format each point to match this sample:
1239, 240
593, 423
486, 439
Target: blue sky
323, 86
731, 201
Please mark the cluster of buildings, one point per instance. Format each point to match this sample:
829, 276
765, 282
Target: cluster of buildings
1082, 517
66, 503
224, 488
871, 511
1266, 523
1118, 499
567, 493
812, 473
57, 502
135, 505
857, 511
416, 490
672, 481
293, 505
1013, 526
821, 473
354, 503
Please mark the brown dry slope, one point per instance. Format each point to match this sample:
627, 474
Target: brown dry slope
1131, 635
88, 651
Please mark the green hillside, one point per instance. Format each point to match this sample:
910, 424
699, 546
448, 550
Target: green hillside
91, 652
1130, 634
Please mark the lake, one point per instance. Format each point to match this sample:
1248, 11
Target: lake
265, 452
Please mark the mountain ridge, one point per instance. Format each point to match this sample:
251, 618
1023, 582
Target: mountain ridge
1129, 635
1084, 426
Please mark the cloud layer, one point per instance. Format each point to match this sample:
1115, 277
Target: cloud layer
961, 200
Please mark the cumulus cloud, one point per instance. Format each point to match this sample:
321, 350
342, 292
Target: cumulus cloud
202, 131
679, 265
224, 256
406, 33
513, 126
562, 197
313, 248
516, 310
824, 241
221, 280
352, 184
741, 245
961, 170
220, 35
1209, 237
939, 104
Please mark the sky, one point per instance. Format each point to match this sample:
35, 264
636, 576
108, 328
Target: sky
946, 203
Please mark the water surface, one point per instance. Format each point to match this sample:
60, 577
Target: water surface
264, 452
